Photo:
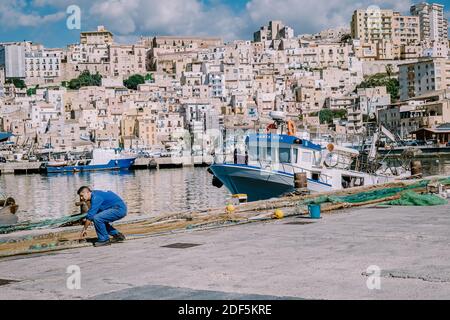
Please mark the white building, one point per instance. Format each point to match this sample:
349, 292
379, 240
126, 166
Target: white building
42, 65
12, 59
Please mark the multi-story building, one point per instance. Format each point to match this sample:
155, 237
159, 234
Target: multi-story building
373, 99
12, 59
42, 65
425, 75
426, 111
384, 29
127, 60
276, 30
432, 21
101, 36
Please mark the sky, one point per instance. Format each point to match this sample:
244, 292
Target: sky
45, 21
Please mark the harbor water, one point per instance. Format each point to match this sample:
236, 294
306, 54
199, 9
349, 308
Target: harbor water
146, 192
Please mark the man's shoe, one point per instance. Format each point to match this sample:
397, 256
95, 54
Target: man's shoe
118, 238
102, 243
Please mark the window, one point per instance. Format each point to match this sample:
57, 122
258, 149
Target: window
306, 156
285, 155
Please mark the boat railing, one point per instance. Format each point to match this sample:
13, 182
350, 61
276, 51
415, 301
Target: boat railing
322, 177
270, 165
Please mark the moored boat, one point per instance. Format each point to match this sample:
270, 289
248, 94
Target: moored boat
272, 160
102, 159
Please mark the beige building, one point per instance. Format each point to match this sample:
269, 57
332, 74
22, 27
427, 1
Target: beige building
276, 30
101, 36
127, 60
383, 32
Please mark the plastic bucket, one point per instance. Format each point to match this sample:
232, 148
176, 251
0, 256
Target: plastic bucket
314, 211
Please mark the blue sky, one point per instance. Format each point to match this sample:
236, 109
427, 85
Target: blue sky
44, 21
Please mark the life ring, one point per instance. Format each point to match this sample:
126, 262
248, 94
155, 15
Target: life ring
291, 128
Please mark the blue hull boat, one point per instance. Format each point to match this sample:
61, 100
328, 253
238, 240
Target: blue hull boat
256, 183
120, 164
102, 159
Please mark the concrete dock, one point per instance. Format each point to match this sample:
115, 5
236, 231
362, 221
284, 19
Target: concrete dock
292, 258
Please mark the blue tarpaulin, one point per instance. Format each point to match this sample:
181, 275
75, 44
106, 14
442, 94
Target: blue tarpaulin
5, 136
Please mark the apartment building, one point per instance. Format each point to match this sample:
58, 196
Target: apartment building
12, 59
425, 75
432, 21
100, 36
42, 66
127, 60
384, 32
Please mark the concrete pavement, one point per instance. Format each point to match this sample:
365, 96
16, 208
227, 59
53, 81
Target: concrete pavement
282, 259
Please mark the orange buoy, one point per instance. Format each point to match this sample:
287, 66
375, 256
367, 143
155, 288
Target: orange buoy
330, 147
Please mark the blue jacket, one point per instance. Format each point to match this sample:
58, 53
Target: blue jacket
103, 200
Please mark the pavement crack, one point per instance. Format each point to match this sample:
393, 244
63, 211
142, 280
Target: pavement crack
408, 276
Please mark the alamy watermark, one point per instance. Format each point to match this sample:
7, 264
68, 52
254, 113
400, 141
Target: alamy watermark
74, 280
74, 19
373, 281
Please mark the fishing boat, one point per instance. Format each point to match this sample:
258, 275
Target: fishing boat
102, 159
272, 160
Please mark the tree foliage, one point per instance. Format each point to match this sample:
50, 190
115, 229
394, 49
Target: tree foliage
381, 79
133, 81
326, 116
85, 79
32, 91
18, 83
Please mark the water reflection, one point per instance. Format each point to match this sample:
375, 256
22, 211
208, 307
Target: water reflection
146, 192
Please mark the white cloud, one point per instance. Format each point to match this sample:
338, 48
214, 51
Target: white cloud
13, 14
183, 17
313, 16
130, 18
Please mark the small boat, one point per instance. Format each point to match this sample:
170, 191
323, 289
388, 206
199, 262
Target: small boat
102, 159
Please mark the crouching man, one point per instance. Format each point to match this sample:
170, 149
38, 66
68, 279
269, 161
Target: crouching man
106, 207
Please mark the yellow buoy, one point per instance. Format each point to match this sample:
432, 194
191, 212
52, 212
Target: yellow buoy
278, 214
229, 208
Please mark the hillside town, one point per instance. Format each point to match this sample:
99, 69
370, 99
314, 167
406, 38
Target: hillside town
180, 94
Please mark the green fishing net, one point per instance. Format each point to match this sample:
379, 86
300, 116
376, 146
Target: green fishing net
410, 198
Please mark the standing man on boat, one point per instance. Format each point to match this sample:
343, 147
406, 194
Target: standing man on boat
106, 207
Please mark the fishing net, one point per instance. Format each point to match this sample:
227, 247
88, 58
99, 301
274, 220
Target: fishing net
49, 223
410, 198
364, 196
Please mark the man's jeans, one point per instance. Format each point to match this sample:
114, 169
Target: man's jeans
103, 218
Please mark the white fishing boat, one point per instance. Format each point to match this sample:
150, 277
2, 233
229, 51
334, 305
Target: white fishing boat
272, 159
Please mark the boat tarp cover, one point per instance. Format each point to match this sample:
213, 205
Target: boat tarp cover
5, 136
